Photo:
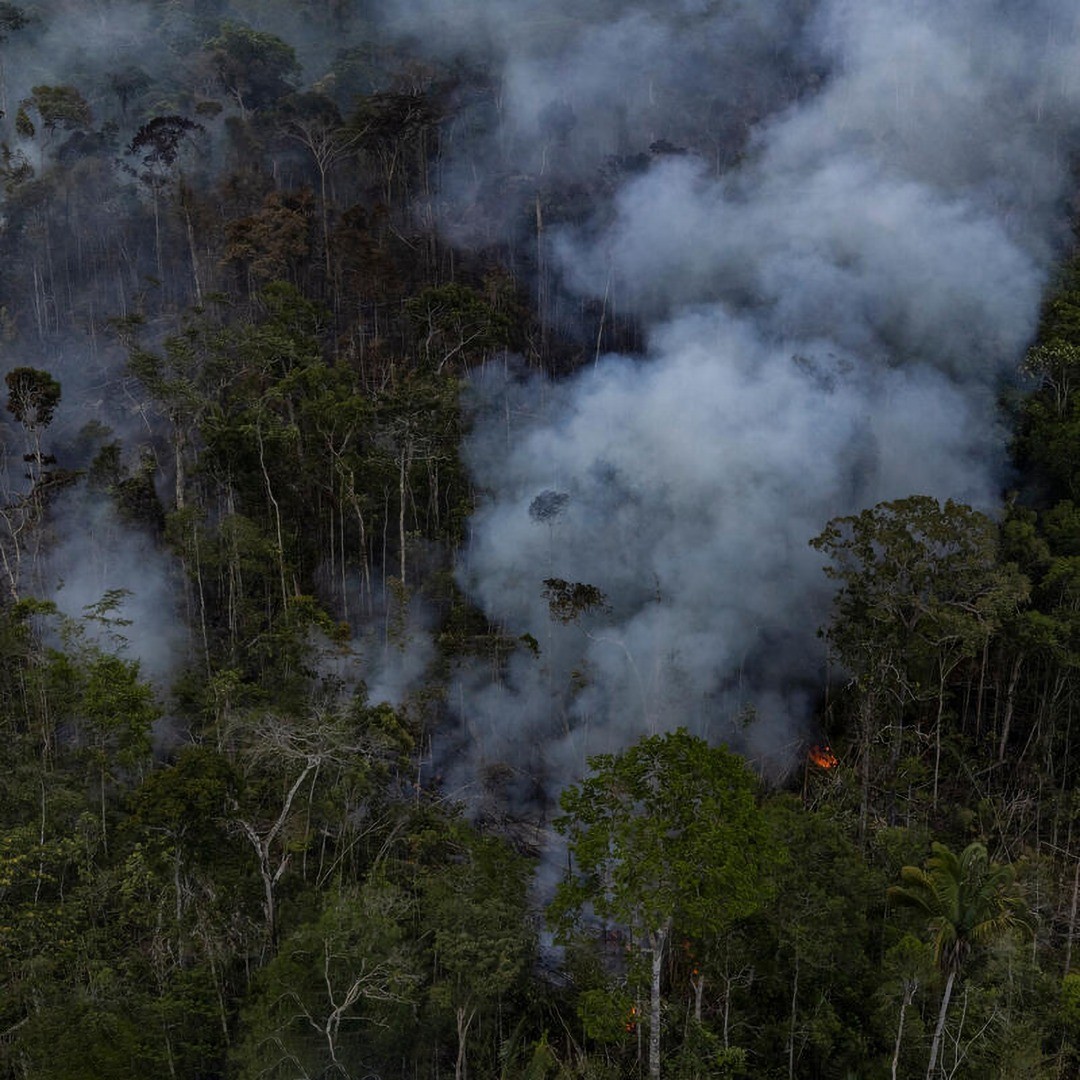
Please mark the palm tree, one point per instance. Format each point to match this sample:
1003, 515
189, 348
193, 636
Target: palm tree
969, 901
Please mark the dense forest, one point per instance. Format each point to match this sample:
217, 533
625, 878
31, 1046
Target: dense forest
539, 540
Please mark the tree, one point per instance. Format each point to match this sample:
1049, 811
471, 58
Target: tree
455, 326
819, 933
12, 19
256, 67
908, 966
389, 125
665, 833
333, 980
922, 590
128, 83
1047, 441
56, 107
158, 145
33, 396
968, 902
317, 126
475, 910
59, 107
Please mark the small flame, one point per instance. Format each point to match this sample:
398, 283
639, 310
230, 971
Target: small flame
823, 757
631, 1021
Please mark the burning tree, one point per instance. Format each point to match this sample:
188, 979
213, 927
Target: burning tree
665, 834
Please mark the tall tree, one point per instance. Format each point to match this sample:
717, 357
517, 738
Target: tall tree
921, 590
475, 907
257, 68
665, 833
33, 397
158, 145
968, 901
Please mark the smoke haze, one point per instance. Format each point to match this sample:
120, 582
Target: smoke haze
833, 223
832, 301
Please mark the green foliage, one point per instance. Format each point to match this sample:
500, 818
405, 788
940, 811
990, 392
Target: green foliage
456, 327
665, 835
667, 829
967, 901
607, 1015
474, 906
703, 1054
568, 601
59, 107
318, 1005
920, 584
257, 67
186, 800
1070, 1004
24, 126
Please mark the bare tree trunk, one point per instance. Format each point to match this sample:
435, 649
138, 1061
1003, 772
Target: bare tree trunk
277, 518
657, 941
909, 994
157, 235
401, 514
935, 1045
179, 441
791, 1025
263, 845
194, 257
464, 1020
1072, 919
1010, 701
937, 736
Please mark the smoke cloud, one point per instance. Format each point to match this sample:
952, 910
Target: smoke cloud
833, 222
832, 301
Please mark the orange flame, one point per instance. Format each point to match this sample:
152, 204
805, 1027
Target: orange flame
631, 1021
823, 757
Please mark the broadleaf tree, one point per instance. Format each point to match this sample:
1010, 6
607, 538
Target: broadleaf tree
665, 834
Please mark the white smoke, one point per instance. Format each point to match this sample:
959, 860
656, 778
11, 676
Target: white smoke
829, 323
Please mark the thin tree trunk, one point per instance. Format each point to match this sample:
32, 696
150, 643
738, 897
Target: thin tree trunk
935, 1046
157, 235
194, 257
1072, 919
791, 1026
180, 482
325, 220
657, 941
1010, 701
403, 469
937, 734
909, 994
263, 845
277, 518
464, 1020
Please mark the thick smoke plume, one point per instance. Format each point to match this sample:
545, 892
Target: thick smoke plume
830, 310
833, 222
